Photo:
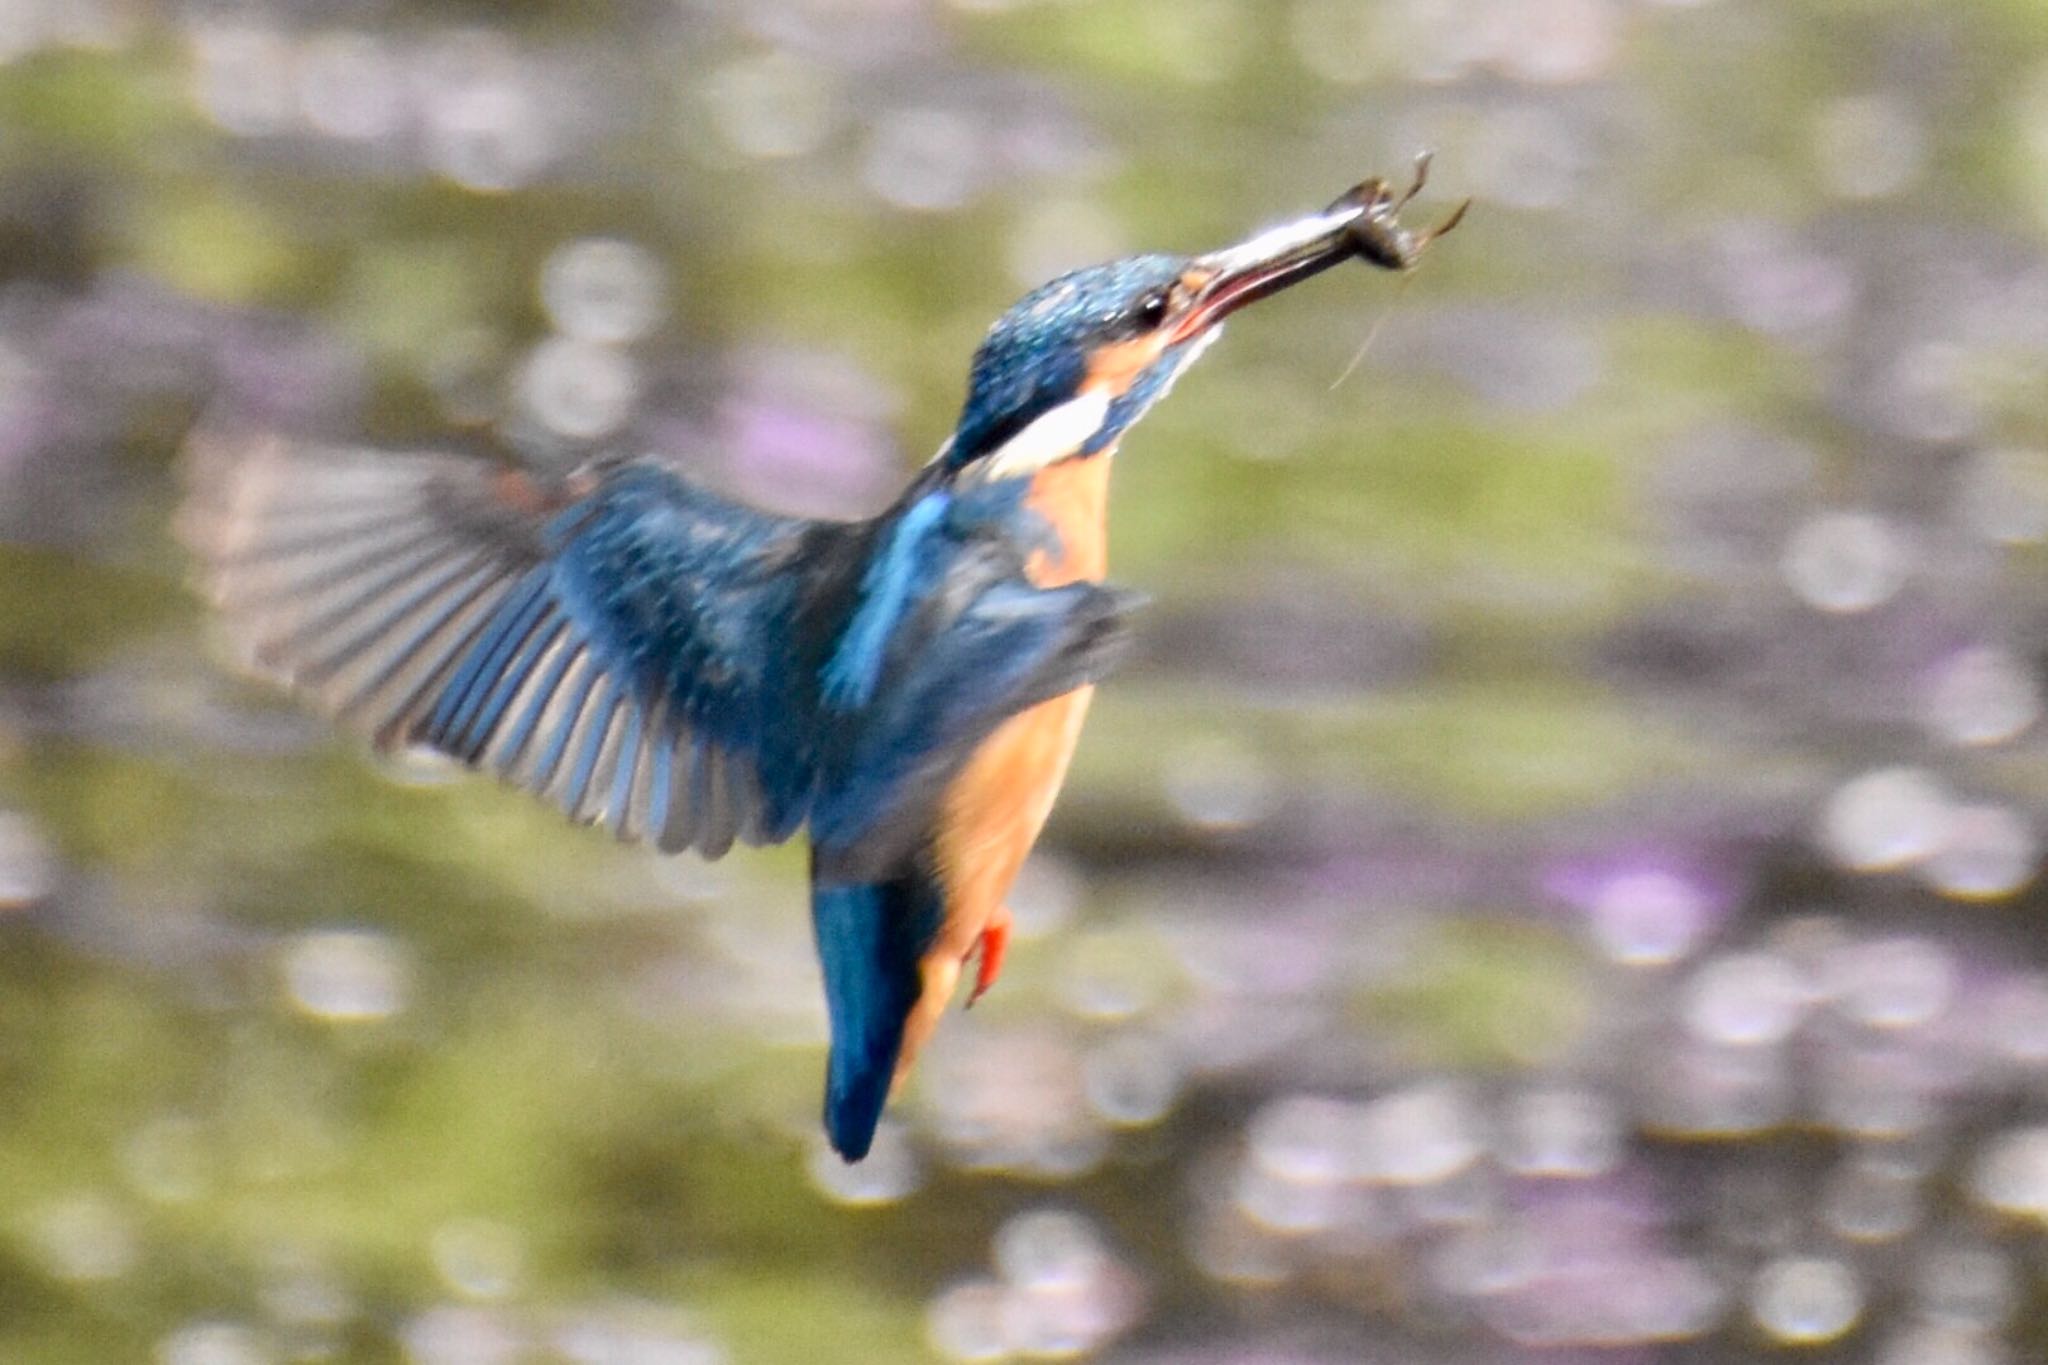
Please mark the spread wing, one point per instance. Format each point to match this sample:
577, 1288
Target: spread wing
619, 645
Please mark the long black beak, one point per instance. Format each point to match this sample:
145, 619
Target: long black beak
1363, 222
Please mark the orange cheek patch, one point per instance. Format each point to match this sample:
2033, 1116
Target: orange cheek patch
1114, 367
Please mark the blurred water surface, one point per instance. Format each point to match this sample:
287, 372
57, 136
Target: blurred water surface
1558, 885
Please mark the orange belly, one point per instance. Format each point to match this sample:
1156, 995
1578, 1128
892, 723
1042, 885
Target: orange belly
993, 811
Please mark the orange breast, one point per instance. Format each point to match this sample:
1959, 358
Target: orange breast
995, 808
1073, 496
997, 805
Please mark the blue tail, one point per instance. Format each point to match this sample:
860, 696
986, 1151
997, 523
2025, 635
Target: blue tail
870, 936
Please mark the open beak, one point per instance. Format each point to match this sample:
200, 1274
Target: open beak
1363, 222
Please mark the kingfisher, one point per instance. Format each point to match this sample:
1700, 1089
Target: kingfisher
688, 671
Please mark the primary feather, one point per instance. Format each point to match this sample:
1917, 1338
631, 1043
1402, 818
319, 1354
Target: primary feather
610, 648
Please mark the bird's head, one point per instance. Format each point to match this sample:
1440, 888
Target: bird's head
1075, 362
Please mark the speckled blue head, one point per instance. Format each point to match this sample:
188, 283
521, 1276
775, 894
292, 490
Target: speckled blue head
1038, 354
1099, 346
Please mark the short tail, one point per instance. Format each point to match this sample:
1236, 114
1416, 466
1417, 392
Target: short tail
870, 938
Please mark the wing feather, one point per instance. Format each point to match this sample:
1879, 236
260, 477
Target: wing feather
401, 656
594, 643
568, 715
596, 745
619, 805
655, 777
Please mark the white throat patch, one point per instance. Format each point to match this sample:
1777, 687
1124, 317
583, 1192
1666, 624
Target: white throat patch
1062, 431
1053, 435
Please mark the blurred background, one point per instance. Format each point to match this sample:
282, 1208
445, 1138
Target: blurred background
1558, 884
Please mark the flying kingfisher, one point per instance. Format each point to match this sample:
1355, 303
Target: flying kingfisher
688, 671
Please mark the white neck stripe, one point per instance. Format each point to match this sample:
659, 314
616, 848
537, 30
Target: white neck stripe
1052, 436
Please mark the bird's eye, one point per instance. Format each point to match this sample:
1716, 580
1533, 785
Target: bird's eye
1152, 309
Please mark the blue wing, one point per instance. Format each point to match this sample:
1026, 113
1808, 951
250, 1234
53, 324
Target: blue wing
947, 639
1007, 648
620, 646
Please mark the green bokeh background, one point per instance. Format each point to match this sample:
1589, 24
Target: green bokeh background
659, 1152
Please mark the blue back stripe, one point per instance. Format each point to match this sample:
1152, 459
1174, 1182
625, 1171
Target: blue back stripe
856, 666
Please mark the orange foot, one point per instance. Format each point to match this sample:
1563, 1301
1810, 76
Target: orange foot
995, 942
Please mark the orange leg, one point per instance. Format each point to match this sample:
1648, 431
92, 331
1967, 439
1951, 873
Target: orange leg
995, 944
